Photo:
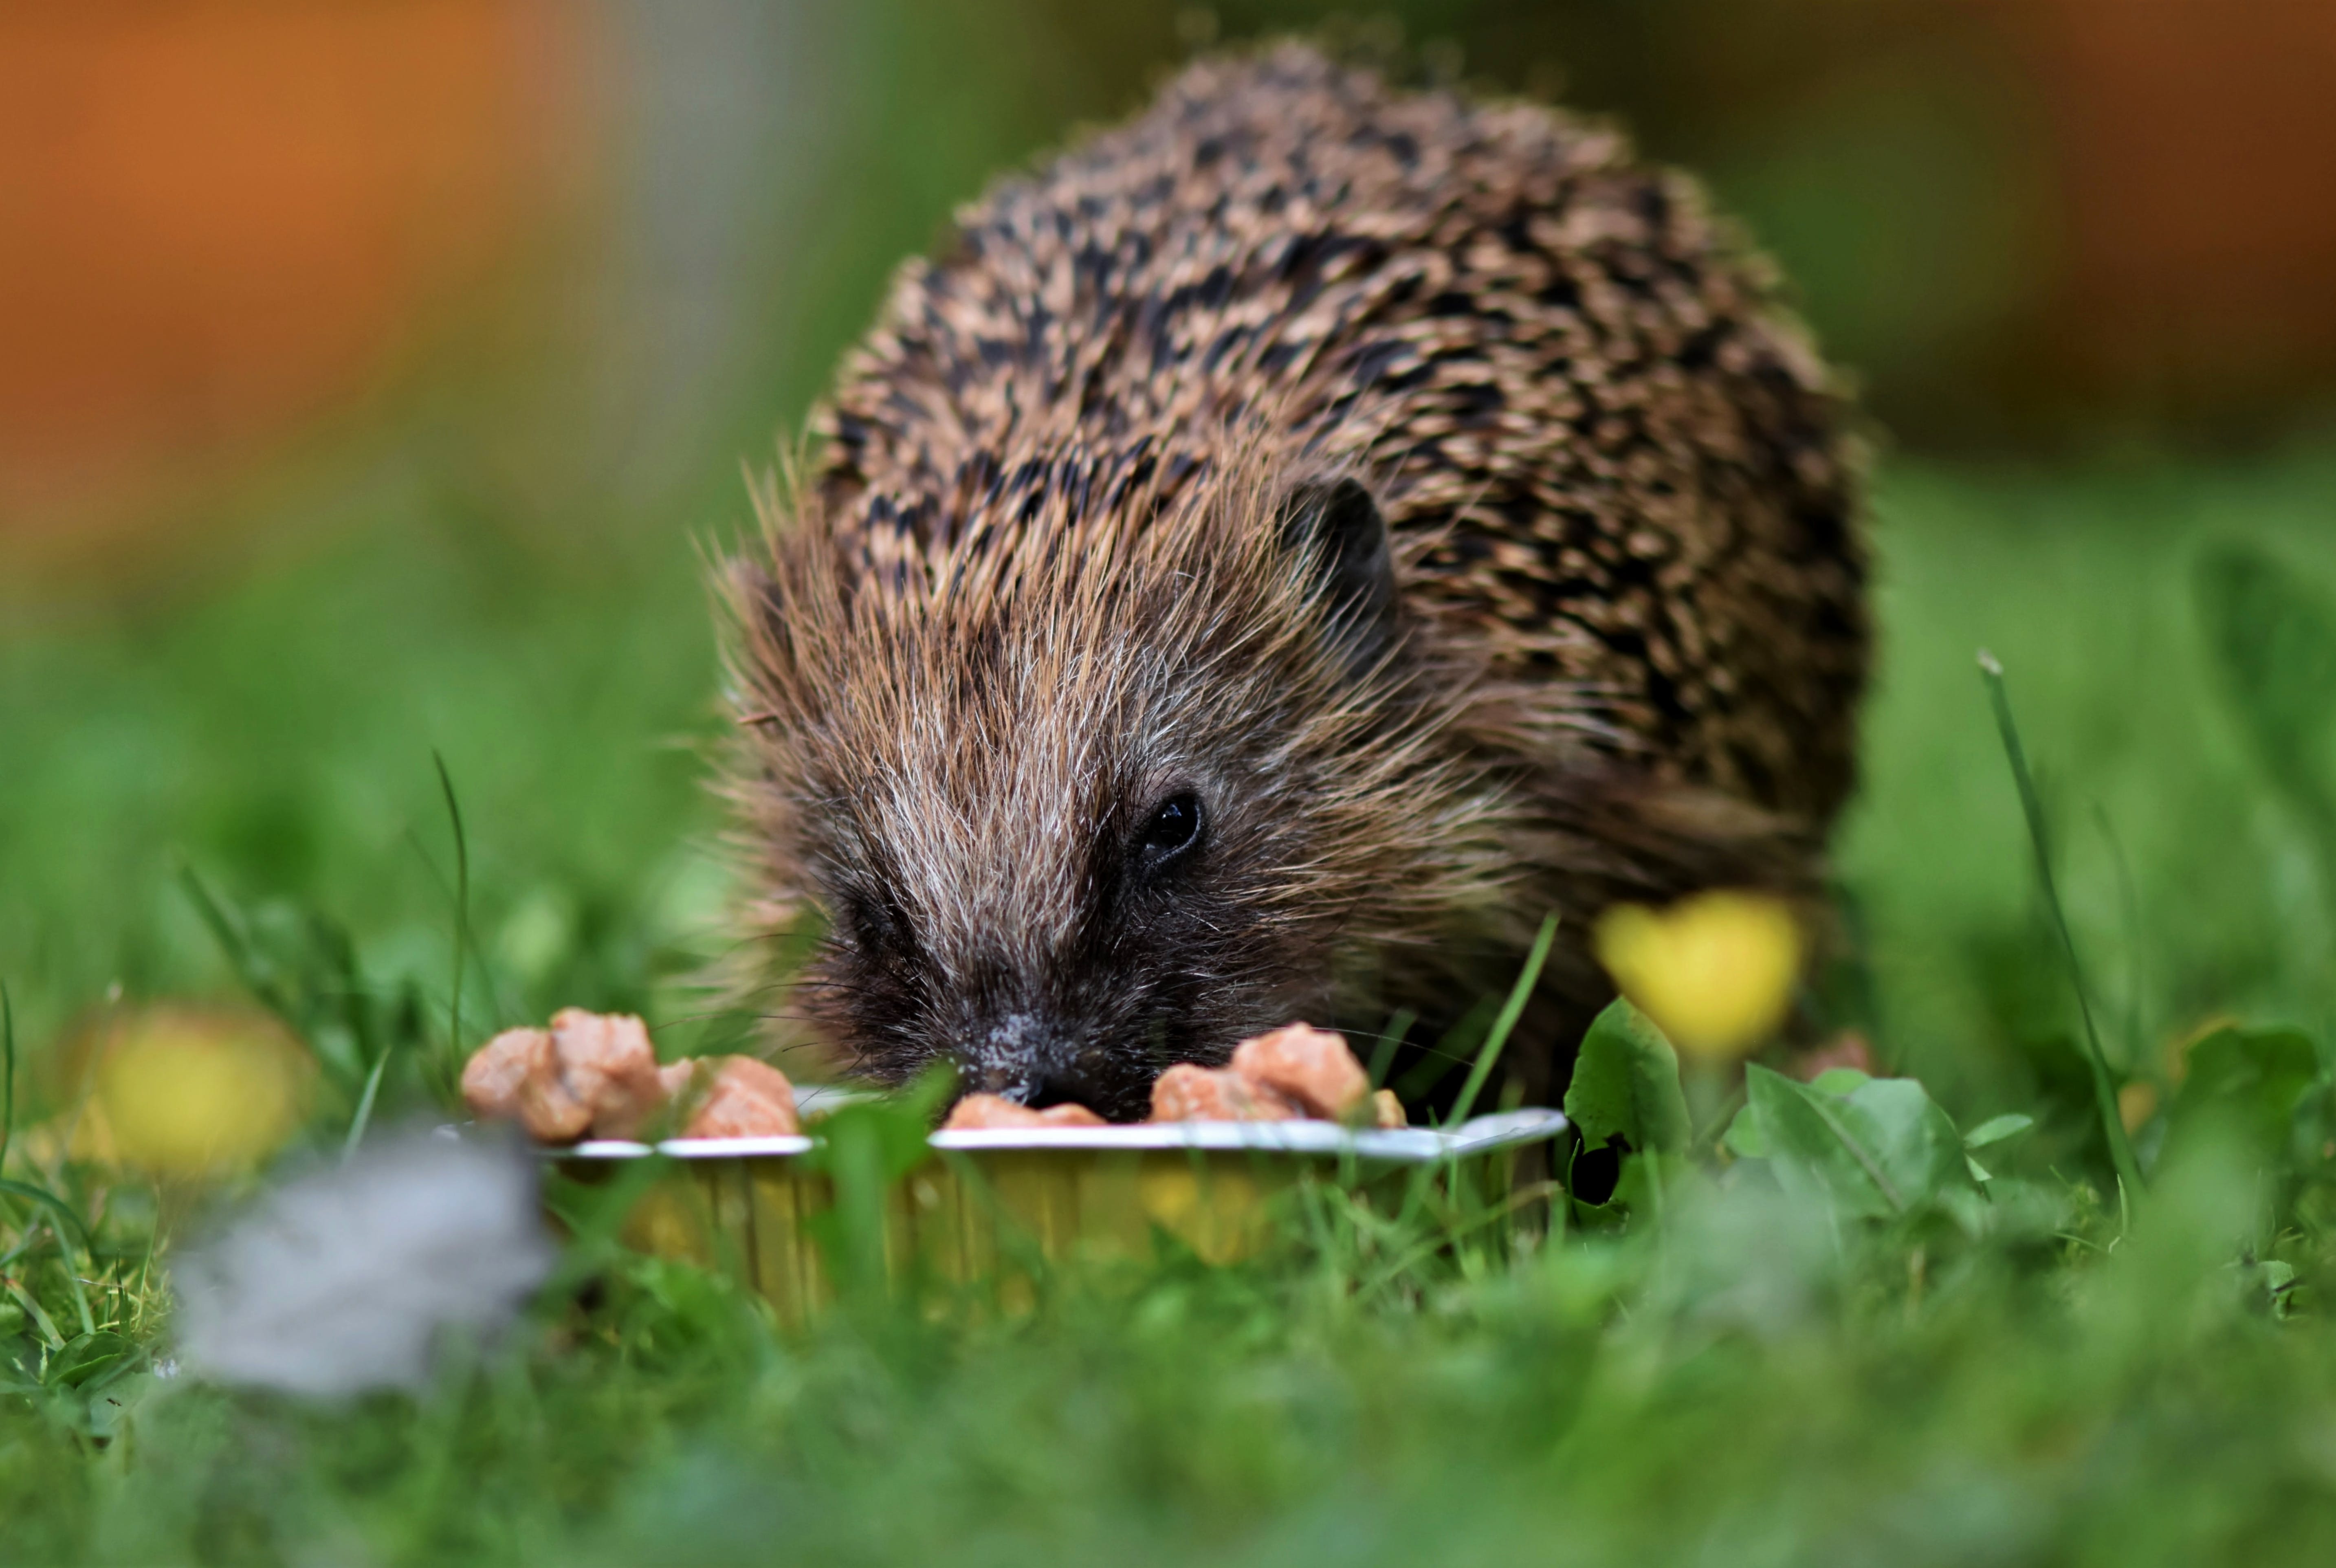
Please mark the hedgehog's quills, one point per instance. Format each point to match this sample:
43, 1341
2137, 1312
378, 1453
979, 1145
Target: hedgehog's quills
1276, 553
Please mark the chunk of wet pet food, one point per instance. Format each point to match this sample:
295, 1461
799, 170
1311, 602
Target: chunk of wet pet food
515, 1077
595, 1074
1312, 1068
1188, 1093
607, 1065
977, 1113
588, 1073
743, 1099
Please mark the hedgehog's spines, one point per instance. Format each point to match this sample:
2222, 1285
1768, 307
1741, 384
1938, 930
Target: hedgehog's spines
1039, 570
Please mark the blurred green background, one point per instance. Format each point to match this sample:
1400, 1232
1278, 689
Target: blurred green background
382, 374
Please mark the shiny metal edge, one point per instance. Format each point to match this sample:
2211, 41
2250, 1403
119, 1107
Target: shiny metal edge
1397, 1146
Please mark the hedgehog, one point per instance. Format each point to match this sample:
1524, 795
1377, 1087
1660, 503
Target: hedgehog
1268, 561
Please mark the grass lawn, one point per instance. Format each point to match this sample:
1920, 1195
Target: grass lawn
1762, 1368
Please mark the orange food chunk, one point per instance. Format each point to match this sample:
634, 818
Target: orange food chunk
1187, 1092
493, 1077
1312, 1068
1386, 1111
607, 1065
745, 1098
588, 1073
515, 1076
983, 1111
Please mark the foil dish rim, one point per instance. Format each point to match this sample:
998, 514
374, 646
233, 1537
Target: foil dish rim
1400, 1145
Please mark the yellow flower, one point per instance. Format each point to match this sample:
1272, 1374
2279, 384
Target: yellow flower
185, 1092
1714, 971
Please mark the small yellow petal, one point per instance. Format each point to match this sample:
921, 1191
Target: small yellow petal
1714, 971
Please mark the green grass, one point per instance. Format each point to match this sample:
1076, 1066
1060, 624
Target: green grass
1762, 1377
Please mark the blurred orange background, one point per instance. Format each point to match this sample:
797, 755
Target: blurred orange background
2194, 144
225, 224
225, 219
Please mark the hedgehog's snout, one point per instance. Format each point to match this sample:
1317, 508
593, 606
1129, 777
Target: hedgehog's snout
1023, 1058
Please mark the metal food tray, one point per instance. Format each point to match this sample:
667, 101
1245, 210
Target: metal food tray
986, 1205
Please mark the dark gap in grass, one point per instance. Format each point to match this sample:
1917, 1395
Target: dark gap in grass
1864, 1002
1594, 1174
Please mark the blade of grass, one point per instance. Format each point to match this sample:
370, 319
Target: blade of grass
7, 1072
1390, 1041
231, 940
462, 903
1511, 1012
48, 1200
59, 1209
40, 1320
2103, 1091
364, 1106
1453, 1231
1437, 1061
500, 1011
72, 1283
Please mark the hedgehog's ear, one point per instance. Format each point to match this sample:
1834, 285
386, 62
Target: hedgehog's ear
1338, 527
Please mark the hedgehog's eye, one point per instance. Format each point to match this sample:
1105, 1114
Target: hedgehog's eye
1174, 827
878, 922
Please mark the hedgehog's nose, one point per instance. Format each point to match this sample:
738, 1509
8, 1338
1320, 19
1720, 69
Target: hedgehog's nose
1047, 1088
1030, 1084
1016, 1058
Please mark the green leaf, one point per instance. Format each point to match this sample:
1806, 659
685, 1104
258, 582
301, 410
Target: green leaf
1883, 1150
2249, 1079
86, 1356
1626, 1084
1995, 1129
1746, 1138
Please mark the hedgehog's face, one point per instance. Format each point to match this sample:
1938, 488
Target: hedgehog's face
1065, 832
1054, 954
